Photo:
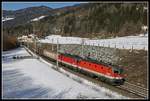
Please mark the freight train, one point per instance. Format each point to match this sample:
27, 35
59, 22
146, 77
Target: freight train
109, 73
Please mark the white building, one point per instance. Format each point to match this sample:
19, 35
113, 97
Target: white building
145, 28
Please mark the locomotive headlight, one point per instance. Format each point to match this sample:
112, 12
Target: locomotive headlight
108, 73
118, 77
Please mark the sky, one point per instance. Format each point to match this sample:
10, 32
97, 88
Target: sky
21, 5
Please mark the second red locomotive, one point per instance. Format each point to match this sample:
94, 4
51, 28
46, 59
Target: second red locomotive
105, 72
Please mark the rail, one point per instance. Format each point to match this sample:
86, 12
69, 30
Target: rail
140, 91
132, 88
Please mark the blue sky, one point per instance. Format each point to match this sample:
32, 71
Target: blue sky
20, 5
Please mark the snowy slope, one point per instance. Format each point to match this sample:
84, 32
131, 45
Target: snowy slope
32, 78
128, 42
61, 40
8, 55
36, 19
6, 19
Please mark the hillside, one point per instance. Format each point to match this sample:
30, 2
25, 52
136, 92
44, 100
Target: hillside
86, 20
90, 20
9, 42
24, 16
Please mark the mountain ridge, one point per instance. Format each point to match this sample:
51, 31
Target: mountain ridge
22, 16
85, 19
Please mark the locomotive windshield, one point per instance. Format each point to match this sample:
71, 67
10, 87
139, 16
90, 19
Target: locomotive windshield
118, 70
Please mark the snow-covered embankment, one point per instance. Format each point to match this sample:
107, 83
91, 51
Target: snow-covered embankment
32, 78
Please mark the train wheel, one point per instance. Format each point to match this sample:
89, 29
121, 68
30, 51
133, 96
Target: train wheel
102, 79
92, 75
76, 70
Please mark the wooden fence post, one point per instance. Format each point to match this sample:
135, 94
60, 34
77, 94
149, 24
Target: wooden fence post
132, 47
144, 48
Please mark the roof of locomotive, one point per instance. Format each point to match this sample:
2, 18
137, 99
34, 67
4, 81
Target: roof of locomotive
74, 56
93, 61
110, 65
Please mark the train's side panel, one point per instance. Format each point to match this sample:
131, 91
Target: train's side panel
93, 68
68, 59
83, 64
96, 68
50, 54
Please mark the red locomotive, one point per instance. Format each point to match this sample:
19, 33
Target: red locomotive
106, 72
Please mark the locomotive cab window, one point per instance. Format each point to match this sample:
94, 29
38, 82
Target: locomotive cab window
115, 71
118, 71
77, 61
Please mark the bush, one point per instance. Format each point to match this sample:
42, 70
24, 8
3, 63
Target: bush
9, 42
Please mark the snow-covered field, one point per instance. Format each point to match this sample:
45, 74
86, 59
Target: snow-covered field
8, 55
128, 42
38, 18
6, 19
32, 78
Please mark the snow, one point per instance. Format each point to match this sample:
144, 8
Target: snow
38, 18
128, 42
62, 40
8, 55
6, 19
32, 78
144, 28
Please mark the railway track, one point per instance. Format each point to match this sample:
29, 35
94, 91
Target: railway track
140, 91
137, 91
